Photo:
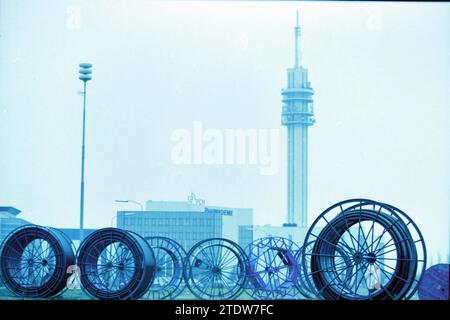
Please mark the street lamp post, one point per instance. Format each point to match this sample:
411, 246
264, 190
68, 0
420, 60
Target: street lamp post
84, 75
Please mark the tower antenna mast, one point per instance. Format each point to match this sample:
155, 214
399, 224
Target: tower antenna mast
297, 42
297, 115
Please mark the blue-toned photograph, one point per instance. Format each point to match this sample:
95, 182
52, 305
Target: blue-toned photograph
224, 150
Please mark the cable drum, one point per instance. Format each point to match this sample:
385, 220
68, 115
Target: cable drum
273, 268
435, 283
385, 249
34, 261
305, 282
418, 242
404, 270
169, 256
115, 264
216, 268
303, 285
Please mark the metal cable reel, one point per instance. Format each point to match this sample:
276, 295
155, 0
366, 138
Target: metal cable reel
273, 268
434, 284
115, 264
215, 269
34, 261
386, 250
73, 279
416, 241
169, 257
305, 283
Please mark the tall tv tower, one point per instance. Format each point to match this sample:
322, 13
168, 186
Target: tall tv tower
297, 116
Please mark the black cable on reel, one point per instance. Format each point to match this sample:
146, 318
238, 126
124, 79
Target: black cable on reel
305, 282
326, 283
116, 264
34, 261
385, 249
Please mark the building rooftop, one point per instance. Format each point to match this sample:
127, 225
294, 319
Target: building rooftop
9, 211
175, 206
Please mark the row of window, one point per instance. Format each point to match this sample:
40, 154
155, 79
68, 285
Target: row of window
195, 235
169, 222
173, 230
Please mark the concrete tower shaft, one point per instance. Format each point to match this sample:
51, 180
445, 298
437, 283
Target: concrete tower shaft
297, 115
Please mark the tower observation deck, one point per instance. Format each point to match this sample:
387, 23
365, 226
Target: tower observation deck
297, 115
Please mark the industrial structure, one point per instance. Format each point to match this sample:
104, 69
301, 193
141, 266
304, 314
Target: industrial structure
188, 222
297, 115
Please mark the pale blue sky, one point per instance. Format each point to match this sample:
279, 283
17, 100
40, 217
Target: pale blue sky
380, 71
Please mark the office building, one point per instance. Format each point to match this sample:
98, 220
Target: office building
187, 222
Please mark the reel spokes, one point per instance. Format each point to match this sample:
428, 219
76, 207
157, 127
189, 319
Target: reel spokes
169, 256
363, 249
215, 269
34, 261
273, 268
115, 264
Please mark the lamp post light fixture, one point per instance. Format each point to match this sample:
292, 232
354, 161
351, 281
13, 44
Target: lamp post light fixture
115, 217
85, 74
131, 201
255, 228
128, 213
